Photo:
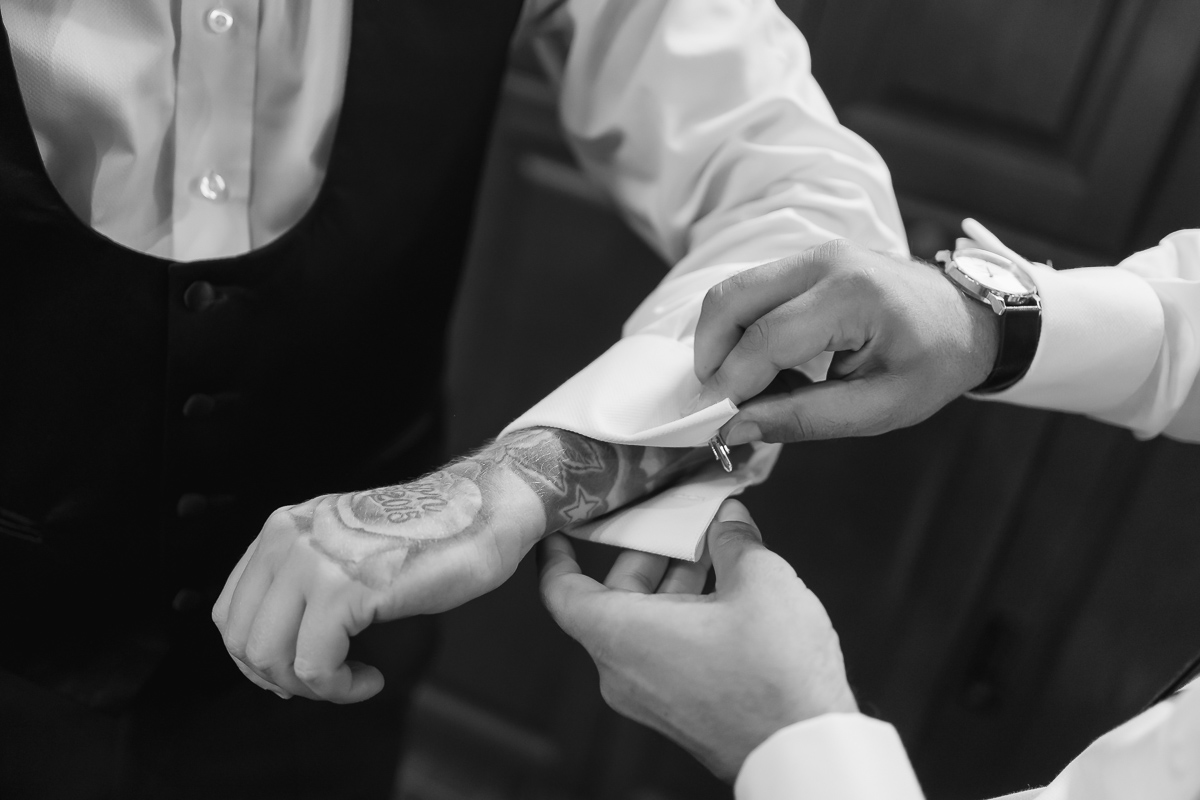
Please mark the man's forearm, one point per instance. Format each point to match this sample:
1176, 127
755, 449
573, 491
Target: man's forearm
348, 560
507, 495
576, 478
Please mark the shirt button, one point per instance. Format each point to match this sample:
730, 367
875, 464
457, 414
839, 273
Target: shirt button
198, 405
199, 296
212, 187
219, 20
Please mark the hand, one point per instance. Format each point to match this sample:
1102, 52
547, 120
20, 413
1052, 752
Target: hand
905, 343
320, 572
716, 673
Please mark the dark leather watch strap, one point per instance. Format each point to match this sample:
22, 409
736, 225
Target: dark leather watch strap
1020, 330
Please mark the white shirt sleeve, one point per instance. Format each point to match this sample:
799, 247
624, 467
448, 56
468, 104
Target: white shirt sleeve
703, 121
851, 757
1122, 344
832, 757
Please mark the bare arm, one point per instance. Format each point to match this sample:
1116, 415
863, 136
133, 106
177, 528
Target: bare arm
415, 548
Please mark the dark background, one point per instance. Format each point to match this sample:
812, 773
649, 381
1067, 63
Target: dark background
1007, 583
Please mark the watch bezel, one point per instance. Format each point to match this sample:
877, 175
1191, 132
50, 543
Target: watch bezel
999, 299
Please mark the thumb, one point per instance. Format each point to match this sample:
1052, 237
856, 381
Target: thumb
570, 596
731, 537
827, 410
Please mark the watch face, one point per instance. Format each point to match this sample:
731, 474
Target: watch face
992, 272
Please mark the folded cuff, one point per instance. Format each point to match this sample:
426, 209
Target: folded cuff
635, 394
1102, 330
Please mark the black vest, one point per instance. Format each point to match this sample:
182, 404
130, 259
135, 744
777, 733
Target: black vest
153, 413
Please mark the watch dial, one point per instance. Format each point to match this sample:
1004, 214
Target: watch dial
981, 268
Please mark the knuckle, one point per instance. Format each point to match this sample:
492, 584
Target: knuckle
800, 427
756, 339
734, 284
310, 674
857, 280
711, 305
718, 296
235, 648
830, 251
258, 656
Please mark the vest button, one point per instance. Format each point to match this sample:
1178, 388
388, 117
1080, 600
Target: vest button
191, 505
198, 405
199, 296
187, 600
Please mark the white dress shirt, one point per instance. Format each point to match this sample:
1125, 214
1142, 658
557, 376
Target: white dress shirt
201, 134
699, 116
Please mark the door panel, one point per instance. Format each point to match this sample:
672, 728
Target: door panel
1051, 117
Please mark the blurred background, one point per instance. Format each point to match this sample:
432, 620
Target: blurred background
1007, 583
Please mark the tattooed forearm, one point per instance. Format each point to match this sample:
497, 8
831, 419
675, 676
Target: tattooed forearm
578, 478
375, 534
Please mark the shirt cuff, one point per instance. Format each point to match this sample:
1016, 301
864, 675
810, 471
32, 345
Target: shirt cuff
1102, 330
831, 757
635, 394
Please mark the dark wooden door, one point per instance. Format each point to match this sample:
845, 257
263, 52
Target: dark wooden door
1052, 119
1044, 577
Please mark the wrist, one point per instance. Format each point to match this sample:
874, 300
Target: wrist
983, 340
575, 478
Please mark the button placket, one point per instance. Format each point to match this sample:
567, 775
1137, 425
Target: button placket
214, 128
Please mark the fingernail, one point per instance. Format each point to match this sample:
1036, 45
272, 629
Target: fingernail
743, 433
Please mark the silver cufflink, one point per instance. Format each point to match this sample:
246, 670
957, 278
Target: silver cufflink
720, 452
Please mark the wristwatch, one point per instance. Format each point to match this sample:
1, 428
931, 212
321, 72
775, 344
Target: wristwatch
1002, 285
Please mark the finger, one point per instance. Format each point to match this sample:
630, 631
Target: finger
322, 644
257, 679
635, 571
732, 305
731, 537
569, 595
271, 645
831, 409
220, 609
785, 337
251, 587
686, 577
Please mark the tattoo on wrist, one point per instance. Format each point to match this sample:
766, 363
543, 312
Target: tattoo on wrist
579, 479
